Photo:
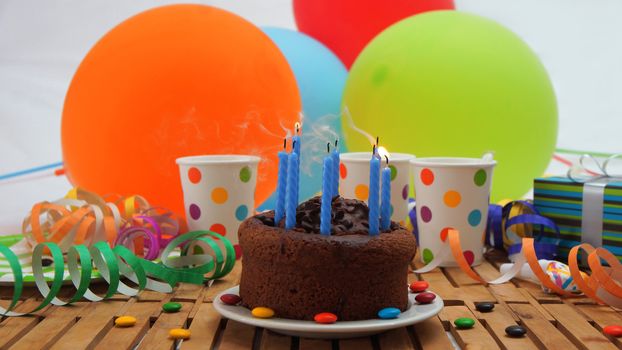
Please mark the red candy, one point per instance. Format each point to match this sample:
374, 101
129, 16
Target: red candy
419, 286
425, 297
325, 318
613, 330
230, 299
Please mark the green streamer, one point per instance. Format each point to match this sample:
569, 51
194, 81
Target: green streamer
112, 263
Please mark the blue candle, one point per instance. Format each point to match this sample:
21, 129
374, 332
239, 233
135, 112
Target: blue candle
281, 187
292, 191
335, 172
296, 140
385, 205
325, 209
374, 188
296, 144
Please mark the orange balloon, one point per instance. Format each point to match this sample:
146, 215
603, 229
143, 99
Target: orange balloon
176, 81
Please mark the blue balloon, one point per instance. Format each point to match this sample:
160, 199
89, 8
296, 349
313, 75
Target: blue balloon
321, 78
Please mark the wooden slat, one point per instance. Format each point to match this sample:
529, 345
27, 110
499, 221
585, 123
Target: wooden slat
441, 285
540, 328
431, 334
533, 302
507, 291
187, 292
552, 322
577, 328
397, 339
197, 304
13, 328
537, 293
274, 341
97, 319
149, 295
496, 322
204, 328
127, 338
315, 344
458, 277
467, 287
231, 280
473, 338
602, 316
102, 288
51, 328
157, 337
356, 344
237, 336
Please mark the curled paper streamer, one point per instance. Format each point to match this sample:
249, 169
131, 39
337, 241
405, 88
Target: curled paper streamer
604, 286
81, 217
509, 223
157, 228
202, 258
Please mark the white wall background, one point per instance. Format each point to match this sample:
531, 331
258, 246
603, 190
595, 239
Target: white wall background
42, 43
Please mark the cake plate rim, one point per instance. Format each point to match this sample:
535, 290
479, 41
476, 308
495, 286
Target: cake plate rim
342, 329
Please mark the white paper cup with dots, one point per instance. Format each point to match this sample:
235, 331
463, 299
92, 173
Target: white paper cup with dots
218, 192
354, 180
452, 193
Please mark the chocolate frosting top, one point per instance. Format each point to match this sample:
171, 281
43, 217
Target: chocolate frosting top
348, 216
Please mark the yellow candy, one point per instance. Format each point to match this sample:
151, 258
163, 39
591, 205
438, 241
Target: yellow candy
262, 312
179, 333
125, 321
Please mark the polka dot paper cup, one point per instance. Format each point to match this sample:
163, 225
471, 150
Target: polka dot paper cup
354, 180
218, 192
452, 193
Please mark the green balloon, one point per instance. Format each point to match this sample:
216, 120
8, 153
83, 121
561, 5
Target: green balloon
448, 83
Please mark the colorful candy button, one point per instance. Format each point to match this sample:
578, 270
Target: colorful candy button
419, 286
179, 333
515, 331
613, 330
125, 321
262, 312
171, 307
484, 307
389, 313
425, 297
325, 318
230, 299
427, 255
464, 322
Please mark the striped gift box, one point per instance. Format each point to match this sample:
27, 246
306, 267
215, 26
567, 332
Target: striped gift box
561, 200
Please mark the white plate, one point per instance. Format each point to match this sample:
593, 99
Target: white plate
341, 329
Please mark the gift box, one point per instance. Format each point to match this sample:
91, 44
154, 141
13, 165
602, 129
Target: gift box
588, 210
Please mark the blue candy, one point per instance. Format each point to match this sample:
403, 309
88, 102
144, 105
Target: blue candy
389, 312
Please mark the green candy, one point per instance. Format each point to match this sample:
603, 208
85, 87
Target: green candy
171, 307
464, 322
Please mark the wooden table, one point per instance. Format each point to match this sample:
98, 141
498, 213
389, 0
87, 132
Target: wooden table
552, 322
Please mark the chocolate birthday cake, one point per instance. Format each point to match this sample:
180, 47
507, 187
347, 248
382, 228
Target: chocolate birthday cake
299, 273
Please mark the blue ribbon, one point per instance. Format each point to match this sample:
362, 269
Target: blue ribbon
495, 229
413, 218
